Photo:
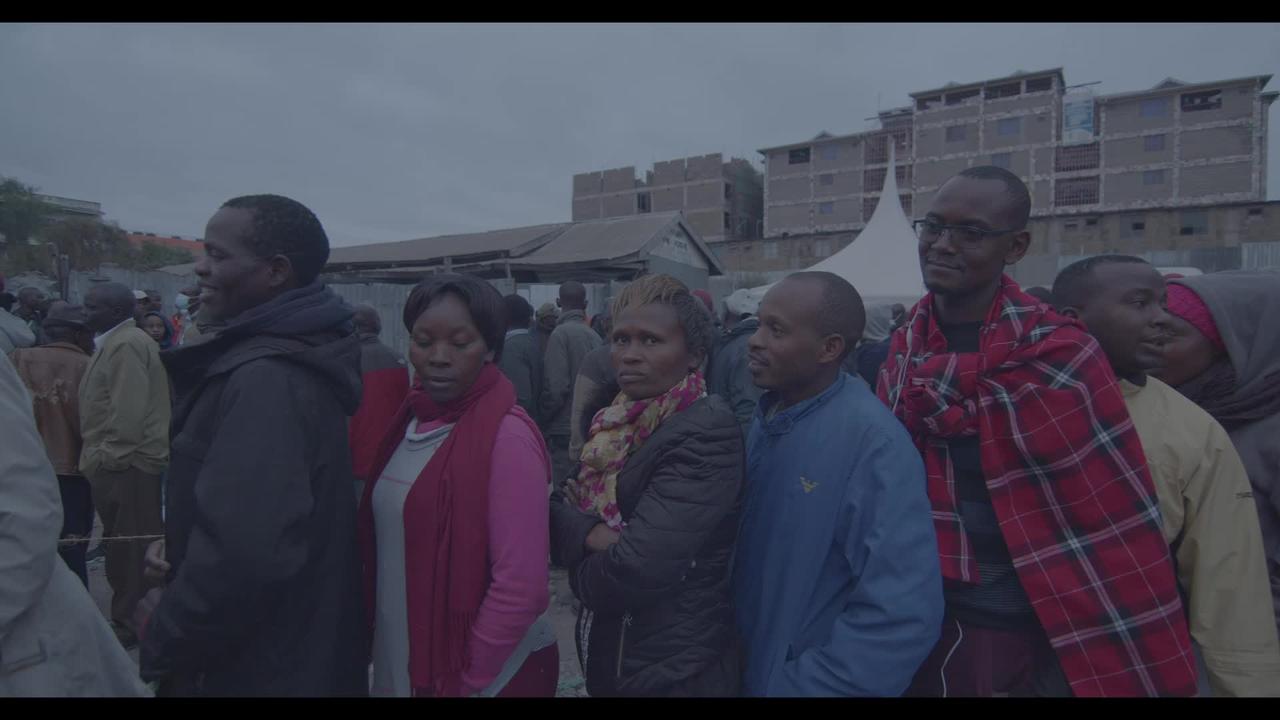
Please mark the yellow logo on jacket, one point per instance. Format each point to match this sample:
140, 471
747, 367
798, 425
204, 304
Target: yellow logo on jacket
808, 486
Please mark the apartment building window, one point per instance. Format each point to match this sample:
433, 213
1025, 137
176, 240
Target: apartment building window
826, 208
1039, 84
1155, 107
1153, 177
642, 202
1002, 160
1194, 222
827, 180
822, 248
770, 250
829, 152
873, 180
1071, 226
728, 191
1091, 222
1208, 100
927, 102
902, 174
1076, 191
905, 201
1002, 91
956, 133
957, 98
1132, 228
728, 222
1153, 143
1255, 211
799, 156
1076, 157
1009, 127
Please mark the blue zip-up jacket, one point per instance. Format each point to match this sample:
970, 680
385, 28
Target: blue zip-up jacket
836, 583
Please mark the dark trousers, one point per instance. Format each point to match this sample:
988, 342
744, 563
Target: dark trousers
129, 504
974, 661
77, 523
561, 464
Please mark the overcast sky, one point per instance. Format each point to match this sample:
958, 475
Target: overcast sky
393, 132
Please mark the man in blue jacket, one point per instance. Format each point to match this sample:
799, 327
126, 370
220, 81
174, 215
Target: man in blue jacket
837, 585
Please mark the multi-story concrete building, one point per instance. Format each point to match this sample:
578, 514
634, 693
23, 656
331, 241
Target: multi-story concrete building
721, 200
1177, 145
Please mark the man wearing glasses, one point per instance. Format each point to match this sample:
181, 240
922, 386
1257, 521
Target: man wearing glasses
1057, 580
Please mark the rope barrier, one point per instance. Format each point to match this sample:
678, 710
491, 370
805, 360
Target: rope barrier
114, 538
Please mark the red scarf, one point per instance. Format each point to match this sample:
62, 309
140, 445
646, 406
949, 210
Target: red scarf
446, 528
1068, 482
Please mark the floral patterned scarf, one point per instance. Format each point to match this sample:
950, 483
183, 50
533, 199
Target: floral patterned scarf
619, 430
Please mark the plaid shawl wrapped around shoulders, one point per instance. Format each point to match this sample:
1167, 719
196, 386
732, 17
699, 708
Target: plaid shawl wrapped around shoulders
1068, 481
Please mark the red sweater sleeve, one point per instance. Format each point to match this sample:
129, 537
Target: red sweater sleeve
518, 551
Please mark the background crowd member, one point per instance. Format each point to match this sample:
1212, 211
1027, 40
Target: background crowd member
384, 380
836, 582
453, 526
52, 374
1224, 355
521, 360
544, 324
727, 374
595, 387
567, 346
263, 594
54, 641
647, 527
1208, 516
124, 421
155, 325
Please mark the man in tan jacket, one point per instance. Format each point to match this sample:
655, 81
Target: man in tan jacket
1206, 502
53, 373
124, 420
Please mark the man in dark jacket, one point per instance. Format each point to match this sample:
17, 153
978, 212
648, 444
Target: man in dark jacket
260, 551
728, 375
521, 359
566, 348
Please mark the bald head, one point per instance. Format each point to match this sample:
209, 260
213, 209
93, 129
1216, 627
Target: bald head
573, 296
107, 305
366, 320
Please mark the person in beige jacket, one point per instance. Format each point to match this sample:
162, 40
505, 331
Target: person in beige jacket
124, 420
53, 640
1205, 499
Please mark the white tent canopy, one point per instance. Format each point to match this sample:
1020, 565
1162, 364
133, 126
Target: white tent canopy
882, 262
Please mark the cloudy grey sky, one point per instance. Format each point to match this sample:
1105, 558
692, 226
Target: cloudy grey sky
392, 132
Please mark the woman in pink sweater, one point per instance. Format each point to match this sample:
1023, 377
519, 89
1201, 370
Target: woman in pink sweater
453, 524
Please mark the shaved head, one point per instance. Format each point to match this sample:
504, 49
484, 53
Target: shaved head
108, 305
366, 320
573, 296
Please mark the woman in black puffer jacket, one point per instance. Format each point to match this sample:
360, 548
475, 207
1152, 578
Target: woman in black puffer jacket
647, 528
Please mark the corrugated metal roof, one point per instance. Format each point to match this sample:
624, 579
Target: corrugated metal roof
957, 86
601, 240
511, 240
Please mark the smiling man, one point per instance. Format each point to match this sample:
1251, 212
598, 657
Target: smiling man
1205, 501
260, 549
836, 582
1057, 578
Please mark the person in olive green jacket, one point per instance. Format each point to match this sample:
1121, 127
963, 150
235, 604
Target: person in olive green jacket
124, 420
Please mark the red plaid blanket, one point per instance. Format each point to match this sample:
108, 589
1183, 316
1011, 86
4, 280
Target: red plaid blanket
1068, 481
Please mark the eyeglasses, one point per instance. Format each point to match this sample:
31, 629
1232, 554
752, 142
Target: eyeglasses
964, 236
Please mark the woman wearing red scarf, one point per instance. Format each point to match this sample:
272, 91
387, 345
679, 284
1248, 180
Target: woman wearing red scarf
647, 528
453, 524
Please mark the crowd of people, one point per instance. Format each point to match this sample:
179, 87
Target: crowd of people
995, 492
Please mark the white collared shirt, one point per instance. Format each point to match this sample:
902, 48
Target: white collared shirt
99, 339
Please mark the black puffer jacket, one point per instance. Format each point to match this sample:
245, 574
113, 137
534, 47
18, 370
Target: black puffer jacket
264, 592
660, 617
